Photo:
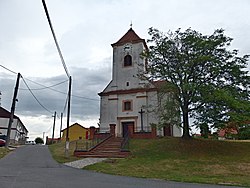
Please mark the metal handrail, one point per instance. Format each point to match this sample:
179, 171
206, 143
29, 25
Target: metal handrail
87, 145
125, 142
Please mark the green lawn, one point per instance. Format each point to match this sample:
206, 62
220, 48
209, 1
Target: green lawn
196, 160
3, 152
58, 152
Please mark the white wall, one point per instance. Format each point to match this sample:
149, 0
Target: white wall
14, 134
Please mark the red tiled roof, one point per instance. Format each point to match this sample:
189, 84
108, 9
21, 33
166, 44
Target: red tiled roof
129, 37
75, 124
159, 83
50, 139
128, 91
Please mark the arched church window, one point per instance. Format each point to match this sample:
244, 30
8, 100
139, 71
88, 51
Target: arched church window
127, 60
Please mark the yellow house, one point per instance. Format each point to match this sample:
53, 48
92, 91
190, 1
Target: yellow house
76, 132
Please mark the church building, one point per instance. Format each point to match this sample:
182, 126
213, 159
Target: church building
127, 99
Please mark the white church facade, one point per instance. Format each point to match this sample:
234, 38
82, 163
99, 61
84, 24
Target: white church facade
126, 100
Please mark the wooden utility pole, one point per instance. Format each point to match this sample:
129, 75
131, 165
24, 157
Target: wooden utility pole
0, 98
54, 124
61, 126
68, 117
12, 110
43, 137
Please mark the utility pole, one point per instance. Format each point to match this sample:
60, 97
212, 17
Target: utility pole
61, 126
0, 98
54, 124
12, 110
68, 116
141, 112
43, 137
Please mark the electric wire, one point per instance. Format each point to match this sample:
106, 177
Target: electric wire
49, 129
65, 105
36, 97
8, 69
44, 87
50, 87
54, 36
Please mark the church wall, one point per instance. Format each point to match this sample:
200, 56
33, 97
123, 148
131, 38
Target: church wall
141, 103
177, 131
121, 74
113, 111
104, 114
151, 107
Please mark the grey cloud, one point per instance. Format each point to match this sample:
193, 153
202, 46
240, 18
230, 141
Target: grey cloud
86, 84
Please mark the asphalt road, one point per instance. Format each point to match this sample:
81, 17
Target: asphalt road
33, 167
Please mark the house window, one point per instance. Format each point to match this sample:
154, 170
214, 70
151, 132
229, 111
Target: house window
127, 60
127, 106
127, 83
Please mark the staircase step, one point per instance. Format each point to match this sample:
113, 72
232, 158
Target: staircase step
110, 148
102, 155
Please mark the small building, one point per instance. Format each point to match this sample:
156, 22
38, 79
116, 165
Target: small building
76, 132
50, 140
18, 132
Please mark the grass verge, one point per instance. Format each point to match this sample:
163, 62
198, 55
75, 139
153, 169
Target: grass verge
58, 152
3, 152
196, 160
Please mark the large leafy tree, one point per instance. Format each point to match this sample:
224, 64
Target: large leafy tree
211, 81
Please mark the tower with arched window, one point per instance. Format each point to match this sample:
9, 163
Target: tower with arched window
127, 99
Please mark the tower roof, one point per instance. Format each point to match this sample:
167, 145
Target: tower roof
129, 37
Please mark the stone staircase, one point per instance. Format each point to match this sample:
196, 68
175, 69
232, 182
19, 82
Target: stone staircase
110, 148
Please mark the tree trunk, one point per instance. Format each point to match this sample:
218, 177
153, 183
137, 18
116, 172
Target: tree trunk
185, 134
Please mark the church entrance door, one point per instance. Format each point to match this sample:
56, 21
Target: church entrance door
125, 127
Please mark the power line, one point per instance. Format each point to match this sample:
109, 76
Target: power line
54, 36
86, 98
44, 87
50, 87
36, 97
48, 130
65, 105
8, 69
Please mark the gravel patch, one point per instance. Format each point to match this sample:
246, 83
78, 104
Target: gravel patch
84, 162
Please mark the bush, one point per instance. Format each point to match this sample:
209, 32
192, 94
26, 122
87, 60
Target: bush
39, 140
244, 132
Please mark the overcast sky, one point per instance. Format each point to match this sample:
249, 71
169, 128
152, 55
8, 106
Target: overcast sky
85, 29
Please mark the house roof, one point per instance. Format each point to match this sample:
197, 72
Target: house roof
159, 83
127, 91
6, 114
74, 125
129, 37
155, 86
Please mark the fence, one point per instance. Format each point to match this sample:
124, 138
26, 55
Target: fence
146, 129
86, 145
